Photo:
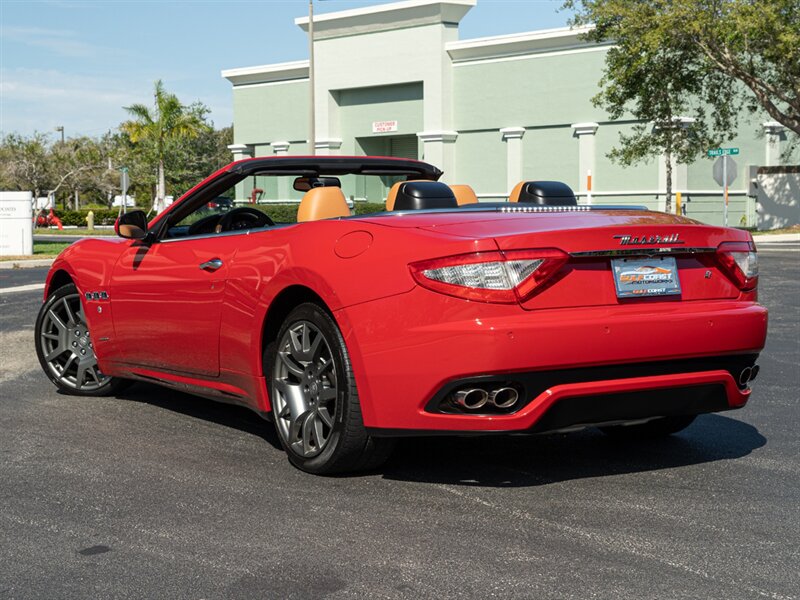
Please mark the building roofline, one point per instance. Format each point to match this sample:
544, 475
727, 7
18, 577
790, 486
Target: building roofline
515, 44
285, 71
386, 16
528, 42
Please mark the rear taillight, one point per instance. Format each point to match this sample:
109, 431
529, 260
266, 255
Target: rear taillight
739, 261
500, 277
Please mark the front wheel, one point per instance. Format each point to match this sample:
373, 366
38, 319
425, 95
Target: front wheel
314, 399
65, 347
656, 428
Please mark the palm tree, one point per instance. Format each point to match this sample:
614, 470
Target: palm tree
168, 120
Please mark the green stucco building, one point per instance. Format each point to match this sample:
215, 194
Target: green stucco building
396, 80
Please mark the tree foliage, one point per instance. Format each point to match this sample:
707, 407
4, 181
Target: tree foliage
88, 168
154, 130
703, 59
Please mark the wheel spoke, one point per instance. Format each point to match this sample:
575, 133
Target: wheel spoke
308, 433
68, 310
56, 320
324, 365
67, 364
325, 416
297, 346
55, 352
80, 375
315, 348
289, 361
306, 340
319, 435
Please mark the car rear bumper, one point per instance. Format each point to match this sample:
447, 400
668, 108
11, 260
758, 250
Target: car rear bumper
410, 349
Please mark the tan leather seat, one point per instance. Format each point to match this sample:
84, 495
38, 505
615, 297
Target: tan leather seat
322, 203
515, 193
392, 195
464, 194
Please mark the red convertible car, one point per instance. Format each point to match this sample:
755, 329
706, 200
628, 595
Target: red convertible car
437, 316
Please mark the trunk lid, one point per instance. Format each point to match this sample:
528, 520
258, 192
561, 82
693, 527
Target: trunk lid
593, 239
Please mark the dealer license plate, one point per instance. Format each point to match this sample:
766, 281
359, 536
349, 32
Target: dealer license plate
636, 277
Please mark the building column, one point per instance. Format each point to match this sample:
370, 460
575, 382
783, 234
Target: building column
328, 146
281, 148
512, 136
439, 150
773, 132
241, 151
587, 171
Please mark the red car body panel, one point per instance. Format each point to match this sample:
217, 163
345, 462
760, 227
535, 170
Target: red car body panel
166, 319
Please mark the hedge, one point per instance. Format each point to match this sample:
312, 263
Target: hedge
287, 213
102, 216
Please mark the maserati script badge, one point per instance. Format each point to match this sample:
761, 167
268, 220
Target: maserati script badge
629, 240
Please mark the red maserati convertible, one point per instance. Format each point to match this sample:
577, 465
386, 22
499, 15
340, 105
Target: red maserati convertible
439, 315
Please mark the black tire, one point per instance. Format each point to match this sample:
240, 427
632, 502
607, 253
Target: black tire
65, 348
315, 408
657, 428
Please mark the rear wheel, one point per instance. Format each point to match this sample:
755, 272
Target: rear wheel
656, 428
314, 399
65, 347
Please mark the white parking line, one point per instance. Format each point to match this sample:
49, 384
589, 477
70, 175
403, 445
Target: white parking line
22, 288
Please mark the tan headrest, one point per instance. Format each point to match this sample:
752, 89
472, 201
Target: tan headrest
514, 195
464, 194
390, 198
322, 203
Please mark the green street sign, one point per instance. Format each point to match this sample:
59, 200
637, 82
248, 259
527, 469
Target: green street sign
723, 152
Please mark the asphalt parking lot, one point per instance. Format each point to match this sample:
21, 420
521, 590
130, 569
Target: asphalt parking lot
155, 494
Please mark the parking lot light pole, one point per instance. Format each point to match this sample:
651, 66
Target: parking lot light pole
312, 141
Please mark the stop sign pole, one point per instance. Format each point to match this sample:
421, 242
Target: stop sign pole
722, 175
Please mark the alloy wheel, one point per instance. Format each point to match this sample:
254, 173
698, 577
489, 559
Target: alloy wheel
304, 389
67, 346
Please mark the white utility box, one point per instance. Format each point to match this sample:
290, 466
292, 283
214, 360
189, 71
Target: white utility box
16, 223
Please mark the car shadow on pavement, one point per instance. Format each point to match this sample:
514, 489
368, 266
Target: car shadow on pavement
501, 460
521, 461
228, 415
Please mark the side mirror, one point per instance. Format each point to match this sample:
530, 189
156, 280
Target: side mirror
132, 225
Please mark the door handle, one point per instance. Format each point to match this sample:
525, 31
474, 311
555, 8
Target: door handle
211, 265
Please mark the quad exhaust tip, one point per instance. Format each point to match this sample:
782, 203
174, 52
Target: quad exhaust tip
748, 374
472, 398
476, 398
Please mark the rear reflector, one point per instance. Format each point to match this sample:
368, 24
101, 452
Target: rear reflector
739, 261
499, 277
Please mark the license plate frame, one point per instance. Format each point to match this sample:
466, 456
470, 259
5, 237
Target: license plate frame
646, 277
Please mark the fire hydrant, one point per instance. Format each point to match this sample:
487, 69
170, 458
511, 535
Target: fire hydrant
90, 220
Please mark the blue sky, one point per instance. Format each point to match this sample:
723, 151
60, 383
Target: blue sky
77, 63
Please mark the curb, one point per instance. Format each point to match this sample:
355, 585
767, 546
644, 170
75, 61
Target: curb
779, 237
26, 264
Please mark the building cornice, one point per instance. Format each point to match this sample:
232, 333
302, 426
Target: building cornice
530, 42
267, 73
397, 15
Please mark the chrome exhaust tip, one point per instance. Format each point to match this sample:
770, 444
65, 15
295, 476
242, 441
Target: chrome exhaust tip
754, 372
472, 398
504, 397
745, 376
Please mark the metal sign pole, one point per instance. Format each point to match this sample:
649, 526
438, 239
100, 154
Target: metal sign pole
725, 179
